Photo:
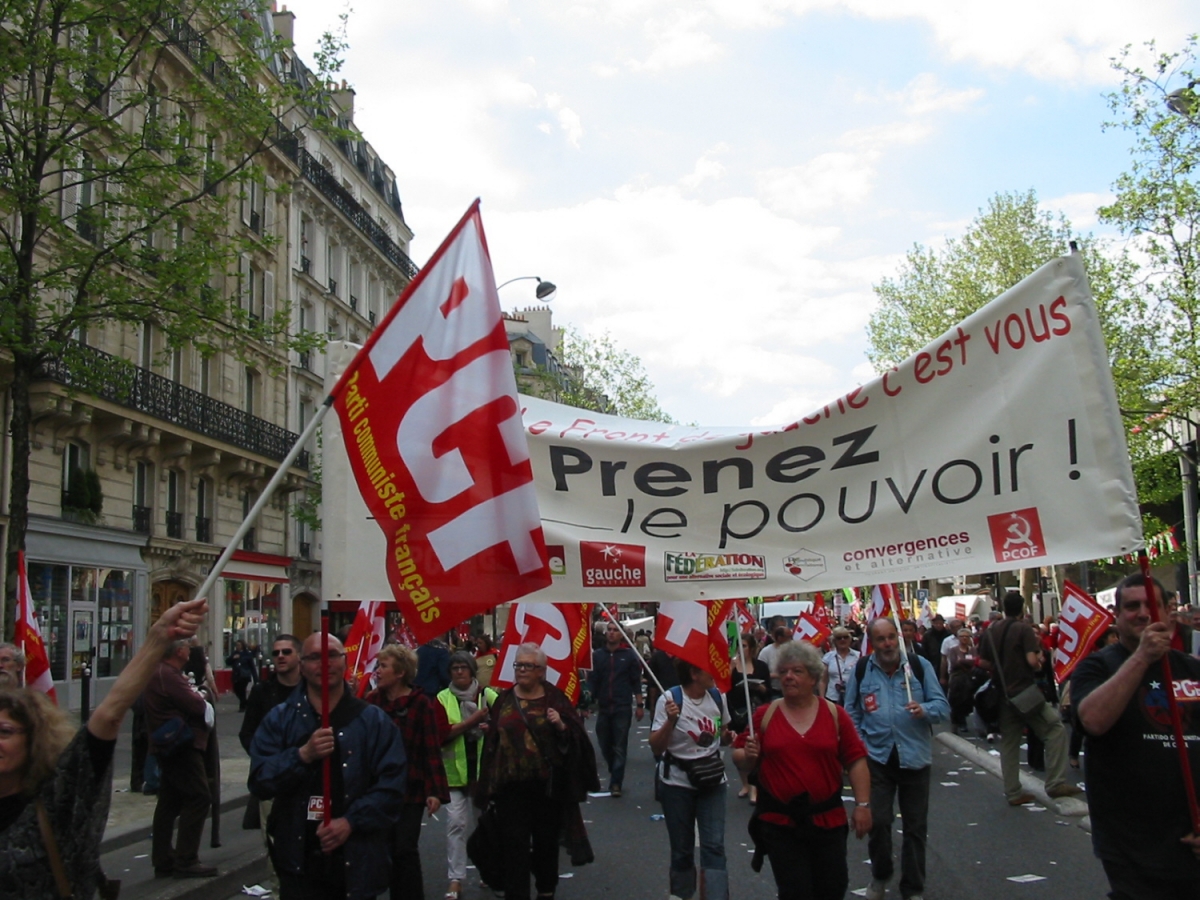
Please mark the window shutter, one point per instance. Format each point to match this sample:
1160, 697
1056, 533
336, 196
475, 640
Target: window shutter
245, 203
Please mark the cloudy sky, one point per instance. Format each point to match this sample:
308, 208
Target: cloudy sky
718, 183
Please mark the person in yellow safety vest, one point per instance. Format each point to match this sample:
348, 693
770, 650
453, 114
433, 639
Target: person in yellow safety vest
462, 711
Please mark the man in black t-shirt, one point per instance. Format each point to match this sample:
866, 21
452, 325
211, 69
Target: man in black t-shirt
1141, 829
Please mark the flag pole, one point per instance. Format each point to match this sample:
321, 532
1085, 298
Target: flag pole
745, 677
1185, 762
645, 665
276, 479
326, 770
904, 647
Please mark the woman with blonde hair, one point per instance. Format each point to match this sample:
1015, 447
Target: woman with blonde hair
411, 709
56, 781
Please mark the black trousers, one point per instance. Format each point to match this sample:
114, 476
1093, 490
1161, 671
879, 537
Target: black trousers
912, 786
808, 864
532, 822
407, 882
182, 794
1128, 882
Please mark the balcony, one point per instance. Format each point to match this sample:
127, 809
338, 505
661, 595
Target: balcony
305, 265
141, 519
175, 525
305, 550
255, 221
305, 361
111, 378
203, 529
248, 541
371, 317
353, 303
341, 199
333, 286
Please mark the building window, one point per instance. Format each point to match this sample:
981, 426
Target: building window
204, 512
251, 390
146, 348
174, 506
250, 539
205, 369
143, 494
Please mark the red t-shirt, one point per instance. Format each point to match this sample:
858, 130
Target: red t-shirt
792, 764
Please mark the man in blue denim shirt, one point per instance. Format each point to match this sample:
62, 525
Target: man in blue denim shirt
899, 738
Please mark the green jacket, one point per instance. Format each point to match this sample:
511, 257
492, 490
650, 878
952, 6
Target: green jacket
454, 752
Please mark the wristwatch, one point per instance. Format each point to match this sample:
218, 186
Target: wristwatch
863, 805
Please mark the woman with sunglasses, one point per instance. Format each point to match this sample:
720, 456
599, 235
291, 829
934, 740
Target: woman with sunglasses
48, 767
839, 666
538, 765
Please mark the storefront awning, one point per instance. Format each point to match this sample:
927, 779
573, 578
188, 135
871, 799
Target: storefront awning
248, 566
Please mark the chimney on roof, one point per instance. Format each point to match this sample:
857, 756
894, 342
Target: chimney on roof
284, 24
343, 98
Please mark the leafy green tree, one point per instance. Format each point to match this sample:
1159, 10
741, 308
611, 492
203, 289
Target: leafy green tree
596, 374
1157, 206
1009, 239
131, 131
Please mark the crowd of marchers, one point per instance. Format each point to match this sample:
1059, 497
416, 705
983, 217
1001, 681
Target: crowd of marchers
825, 741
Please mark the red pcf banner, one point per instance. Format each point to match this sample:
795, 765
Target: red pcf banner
433, 431
1080, 623
814, 629
564, 633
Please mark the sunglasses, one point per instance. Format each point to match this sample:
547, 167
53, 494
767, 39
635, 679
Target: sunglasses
287, 652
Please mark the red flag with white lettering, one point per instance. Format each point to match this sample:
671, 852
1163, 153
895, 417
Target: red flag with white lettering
433, 431
744, 619
28, 636
1081, 621
694, 630
562, 630
366, 636
811, 628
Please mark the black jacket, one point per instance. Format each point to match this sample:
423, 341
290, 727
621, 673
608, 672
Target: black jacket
264, 696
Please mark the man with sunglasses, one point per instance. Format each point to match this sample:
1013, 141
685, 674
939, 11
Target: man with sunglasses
285, 654
350, 856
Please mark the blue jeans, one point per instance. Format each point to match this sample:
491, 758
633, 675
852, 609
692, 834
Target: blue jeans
683, 810
612, 734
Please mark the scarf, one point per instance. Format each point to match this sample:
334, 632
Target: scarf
468, 705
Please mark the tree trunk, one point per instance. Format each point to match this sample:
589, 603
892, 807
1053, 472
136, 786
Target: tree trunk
18, 501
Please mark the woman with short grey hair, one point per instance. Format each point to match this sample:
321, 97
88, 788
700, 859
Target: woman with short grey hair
800, 653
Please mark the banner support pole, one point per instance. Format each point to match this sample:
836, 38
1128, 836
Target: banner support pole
745, 679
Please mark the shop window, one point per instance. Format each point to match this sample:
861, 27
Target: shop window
251, 614
114, 645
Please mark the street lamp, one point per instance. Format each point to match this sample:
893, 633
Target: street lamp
545, 289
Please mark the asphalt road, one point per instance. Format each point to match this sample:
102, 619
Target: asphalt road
976, 844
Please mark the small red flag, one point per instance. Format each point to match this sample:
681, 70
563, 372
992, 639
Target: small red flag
366, 636
1080, 622
811, 628
28, 636
694, 630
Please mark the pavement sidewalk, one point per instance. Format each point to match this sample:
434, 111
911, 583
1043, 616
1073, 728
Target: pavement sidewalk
125, 850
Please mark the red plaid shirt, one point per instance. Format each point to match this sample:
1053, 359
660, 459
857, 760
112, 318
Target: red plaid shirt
415, 717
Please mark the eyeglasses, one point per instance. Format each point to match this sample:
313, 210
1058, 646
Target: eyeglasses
460, 668
8, 732
316, 657
287, 652
525, 667
842, 637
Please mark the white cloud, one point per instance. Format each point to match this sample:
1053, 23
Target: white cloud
925, 94
677, 40
707, 168
1080, 209
568, 119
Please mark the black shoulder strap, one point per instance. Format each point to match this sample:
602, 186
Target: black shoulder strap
860, 669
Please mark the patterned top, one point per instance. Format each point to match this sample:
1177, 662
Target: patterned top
77, 798
416, 718
523, 748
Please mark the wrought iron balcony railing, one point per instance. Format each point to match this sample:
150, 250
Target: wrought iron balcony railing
175, 525
305, 550
111, 378
141, 519
342, 200
248, 542
204, 529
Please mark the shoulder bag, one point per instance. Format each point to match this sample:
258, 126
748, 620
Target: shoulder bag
106, 888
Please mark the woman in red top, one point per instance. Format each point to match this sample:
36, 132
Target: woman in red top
800, 822
412, 711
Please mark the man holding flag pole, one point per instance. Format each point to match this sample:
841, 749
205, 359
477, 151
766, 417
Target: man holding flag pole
1141, 787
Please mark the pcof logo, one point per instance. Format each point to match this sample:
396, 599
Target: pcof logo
690, 566
558, 558
1017, 535
612, 565
804, 564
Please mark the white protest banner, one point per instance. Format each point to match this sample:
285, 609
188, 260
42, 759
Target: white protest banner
998, 446
1080, 622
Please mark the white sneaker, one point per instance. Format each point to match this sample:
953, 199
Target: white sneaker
876, 890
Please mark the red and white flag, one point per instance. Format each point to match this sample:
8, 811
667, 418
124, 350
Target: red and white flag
1080, 623
28, 636
367, 634
694, 630
433, 432
745, 620
812, 628
562, 630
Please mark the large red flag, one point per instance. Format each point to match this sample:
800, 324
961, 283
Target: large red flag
28, 636
433, 431
366, 636
1080, 622
562, 630
694, 630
